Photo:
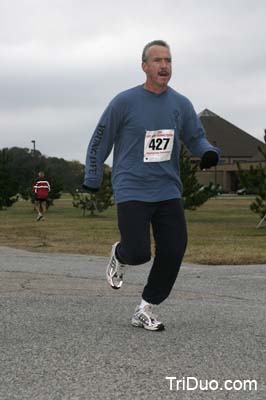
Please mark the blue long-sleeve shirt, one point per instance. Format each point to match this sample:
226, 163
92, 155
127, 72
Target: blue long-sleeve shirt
145, 129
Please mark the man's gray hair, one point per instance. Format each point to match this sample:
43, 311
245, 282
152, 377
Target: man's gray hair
150, 44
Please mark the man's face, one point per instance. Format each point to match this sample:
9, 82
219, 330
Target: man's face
158, 68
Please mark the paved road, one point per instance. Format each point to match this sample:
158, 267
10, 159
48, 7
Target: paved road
66, 336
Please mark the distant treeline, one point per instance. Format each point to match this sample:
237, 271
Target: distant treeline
21, 166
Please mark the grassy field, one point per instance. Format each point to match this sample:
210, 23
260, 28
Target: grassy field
222, 231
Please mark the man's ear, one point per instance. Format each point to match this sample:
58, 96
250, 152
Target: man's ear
144, 67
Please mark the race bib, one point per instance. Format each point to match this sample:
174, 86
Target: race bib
158, 145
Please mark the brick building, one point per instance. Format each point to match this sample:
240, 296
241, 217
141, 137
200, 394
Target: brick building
236, 146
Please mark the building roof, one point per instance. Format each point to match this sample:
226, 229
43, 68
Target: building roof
233, 141
207, 113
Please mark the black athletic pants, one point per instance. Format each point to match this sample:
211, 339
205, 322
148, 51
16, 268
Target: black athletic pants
170, 234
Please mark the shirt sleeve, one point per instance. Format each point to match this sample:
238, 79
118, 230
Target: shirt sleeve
194, 135
100, 147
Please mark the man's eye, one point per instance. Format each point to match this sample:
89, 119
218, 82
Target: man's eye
169, 60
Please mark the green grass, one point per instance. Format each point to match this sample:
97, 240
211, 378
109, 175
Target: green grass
222, 231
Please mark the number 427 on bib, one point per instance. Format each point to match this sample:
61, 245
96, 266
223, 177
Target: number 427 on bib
158, 145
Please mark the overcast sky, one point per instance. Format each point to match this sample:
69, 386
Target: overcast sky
62, 61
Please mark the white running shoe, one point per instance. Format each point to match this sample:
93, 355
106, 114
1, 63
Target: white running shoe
144, 318
39, 217
115, 270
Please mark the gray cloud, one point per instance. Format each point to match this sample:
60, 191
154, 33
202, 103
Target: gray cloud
62, 61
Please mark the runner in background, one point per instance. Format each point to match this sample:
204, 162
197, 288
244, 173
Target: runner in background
41, 190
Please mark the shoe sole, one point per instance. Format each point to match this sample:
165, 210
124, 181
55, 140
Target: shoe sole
138, 324
108, 277
110, 282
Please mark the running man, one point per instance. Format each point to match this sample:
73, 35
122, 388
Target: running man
145, 124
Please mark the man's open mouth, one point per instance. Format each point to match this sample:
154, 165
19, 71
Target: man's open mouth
163, 73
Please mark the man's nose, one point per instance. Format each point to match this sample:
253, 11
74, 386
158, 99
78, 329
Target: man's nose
164, 63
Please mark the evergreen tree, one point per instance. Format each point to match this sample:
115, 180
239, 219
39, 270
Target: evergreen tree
194, 194
254, 181
8, 185
96, 202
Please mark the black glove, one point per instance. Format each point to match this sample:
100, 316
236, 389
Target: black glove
90, 189
209, 159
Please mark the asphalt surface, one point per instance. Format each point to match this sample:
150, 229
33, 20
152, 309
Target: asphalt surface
65, 335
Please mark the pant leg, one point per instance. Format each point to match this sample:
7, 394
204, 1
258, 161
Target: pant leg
134, 218
170, 234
